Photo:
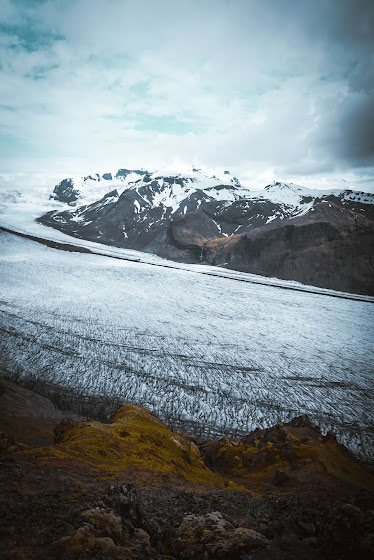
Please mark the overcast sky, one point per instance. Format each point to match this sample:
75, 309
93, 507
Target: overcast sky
266, 88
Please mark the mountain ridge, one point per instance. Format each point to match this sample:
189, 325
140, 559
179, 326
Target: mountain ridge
193, 217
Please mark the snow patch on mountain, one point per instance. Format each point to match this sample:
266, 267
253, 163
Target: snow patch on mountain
302, 198
292, 194
89, 189
169, 186
358, 196
86, 190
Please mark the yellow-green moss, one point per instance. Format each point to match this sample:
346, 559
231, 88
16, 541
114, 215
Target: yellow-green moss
336, 461
134, 439
261, 459
231, 467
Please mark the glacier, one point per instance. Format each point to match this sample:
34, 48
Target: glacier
206, 352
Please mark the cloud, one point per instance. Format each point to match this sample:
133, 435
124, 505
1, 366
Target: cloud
275, 87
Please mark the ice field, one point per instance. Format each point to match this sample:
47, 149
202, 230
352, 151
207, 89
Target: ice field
210, 353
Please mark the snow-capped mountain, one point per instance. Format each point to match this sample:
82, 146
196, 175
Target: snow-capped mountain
284, 230
135, 212
303, 198
85, 190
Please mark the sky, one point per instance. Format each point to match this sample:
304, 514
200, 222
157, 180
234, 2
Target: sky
269, 89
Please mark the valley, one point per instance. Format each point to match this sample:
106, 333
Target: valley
208, 354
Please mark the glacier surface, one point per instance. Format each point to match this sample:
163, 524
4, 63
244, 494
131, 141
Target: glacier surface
206, 352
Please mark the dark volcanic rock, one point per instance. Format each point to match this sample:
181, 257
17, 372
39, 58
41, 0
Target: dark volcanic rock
281, 478
125, 172
5, 442
125, 499
27, 416
18, 402
65, 192
302, 421
211, 536
287, 548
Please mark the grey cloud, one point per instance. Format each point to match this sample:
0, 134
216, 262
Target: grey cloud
270, 84
354, 124
361, 78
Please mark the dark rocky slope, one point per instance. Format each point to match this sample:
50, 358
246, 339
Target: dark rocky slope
134, 489
333, 247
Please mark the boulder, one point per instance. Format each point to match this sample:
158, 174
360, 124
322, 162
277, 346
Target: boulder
211, 536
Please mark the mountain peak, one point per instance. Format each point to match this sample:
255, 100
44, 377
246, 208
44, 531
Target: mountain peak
280, 185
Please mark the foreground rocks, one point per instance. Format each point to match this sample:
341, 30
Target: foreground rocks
110, 532
293, 457
211, 536
125, 531
127, 528
134, 489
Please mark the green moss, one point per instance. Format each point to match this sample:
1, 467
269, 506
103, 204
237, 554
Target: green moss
260, 459
134, 439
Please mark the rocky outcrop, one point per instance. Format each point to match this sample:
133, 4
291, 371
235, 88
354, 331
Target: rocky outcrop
130, 532
18, 402
211, 536
70, 190
287, 457
27, 416
113, 528
65, 191
135, 489
123, 527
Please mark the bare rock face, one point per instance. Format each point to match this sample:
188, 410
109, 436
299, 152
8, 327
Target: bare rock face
18, 402
29, 417
332, 247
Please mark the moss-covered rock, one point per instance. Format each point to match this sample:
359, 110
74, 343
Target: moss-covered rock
298, 448
135, 438
211, 536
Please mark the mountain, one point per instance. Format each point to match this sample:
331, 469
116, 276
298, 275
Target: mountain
330, 245
92, 187
319, 237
